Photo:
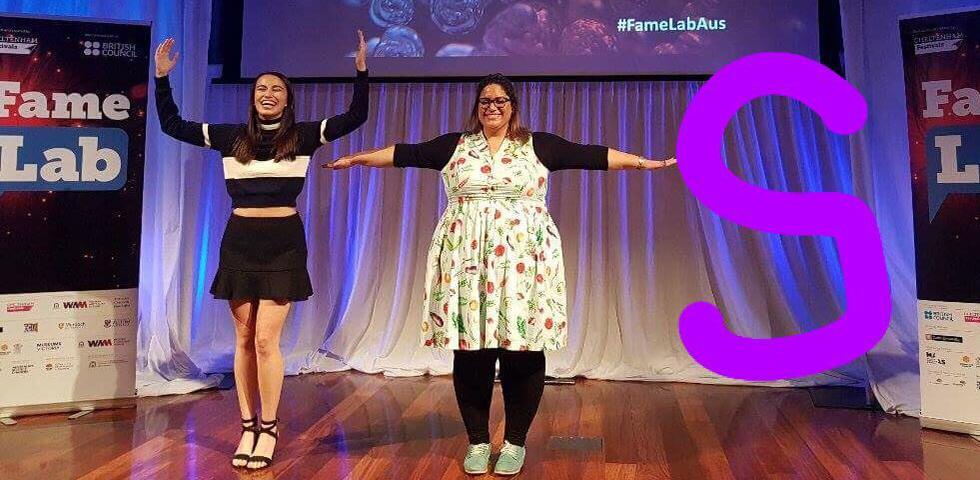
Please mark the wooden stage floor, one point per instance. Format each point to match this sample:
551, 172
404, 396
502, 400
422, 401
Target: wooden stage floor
358, 426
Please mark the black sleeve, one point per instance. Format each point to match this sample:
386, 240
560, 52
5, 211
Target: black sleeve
217, 136
556, 153
434, 154
339, 125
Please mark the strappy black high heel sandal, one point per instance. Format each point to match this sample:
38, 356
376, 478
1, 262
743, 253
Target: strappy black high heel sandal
266, 429
248, 425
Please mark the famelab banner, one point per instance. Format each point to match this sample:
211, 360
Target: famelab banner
73, 98
942, 78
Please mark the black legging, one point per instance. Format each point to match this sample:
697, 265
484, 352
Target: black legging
522, 379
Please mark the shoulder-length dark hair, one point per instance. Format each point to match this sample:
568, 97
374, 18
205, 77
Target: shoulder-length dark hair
286, 141
515, 130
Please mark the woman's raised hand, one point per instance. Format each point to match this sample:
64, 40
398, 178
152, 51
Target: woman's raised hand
360, 60
163, 60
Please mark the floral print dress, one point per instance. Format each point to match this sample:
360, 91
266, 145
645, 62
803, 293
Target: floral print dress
495, 275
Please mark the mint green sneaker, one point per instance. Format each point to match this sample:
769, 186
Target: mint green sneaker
477, 459
511, 459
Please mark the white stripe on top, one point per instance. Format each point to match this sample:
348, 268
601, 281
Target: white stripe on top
207, 134
296, 167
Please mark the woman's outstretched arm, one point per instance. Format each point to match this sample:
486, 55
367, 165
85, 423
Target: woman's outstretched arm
556, 153
623, 161
378, 158
433, 154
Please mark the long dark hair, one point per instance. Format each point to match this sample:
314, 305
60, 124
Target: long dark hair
285, 143
515, 131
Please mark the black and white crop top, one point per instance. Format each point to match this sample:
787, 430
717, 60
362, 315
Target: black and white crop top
262, 181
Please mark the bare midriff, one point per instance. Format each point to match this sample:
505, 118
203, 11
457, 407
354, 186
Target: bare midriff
264, 211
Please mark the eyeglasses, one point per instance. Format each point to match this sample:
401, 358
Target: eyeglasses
499, 102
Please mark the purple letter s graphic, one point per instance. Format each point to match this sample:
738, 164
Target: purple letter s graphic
841, 216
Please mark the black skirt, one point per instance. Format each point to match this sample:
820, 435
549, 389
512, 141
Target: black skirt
263, 258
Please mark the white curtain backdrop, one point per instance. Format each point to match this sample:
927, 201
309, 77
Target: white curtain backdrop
638, 247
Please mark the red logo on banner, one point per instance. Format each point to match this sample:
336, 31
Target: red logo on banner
20, 307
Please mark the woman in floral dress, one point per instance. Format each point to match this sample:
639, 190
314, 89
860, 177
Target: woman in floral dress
495, 279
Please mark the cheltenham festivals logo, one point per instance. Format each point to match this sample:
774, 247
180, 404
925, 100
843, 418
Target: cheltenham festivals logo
843, 217
937, 40
62, 158
15, 41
